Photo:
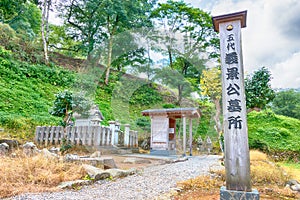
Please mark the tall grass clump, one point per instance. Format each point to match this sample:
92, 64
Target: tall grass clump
34, 174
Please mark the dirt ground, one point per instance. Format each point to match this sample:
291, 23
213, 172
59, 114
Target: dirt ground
119, 160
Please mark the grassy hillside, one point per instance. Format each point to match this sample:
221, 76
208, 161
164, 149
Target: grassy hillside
275, 134
27, 93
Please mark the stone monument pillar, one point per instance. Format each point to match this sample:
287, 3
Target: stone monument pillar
237, 160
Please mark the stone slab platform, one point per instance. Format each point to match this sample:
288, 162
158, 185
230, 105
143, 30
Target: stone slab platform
238, 195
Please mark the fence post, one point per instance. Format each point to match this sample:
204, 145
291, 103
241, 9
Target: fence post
90, 135
84, 134
52, 130
112, 126
131, 138
136, 139
97, 135
56, 135
61, 134
108, 134
126, 135
47, 135
37, 133
103, 142
116, 133
72, 136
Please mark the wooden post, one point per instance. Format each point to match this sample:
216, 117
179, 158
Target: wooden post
184, 134
237, 161
191, 135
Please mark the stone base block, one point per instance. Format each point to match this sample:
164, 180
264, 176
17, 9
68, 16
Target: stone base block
162, 152
238, 195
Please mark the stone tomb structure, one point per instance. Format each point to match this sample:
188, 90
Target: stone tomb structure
94, 117
163, 129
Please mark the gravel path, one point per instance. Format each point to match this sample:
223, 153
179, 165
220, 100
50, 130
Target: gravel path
149, 184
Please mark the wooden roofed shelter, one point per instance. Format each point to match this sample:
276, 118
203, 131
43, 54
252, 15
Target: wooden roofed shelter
163, 129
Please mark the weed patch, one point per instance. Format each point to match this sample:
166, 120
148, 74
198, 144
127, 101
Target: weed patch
34, 174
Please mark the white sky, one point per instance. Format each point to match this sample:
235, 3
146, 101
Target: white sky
271, 38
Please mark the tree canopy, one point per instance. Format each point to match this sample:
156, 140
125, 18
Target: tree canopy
23, 16
287, 103
67, 103
258, 89
188, 40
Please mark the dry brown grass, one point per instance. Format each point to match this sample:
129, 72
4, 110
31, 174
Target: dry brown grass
268, 178
265, 172
256, 155
34, 174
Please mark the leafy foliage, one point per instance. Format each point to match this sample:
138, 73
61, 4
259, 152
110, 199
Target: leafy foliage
28, 21
67, 103
177, 18
145, 95
287, 103
10, 9
210, 83
258, 89
22, 47
144, 122
176, 80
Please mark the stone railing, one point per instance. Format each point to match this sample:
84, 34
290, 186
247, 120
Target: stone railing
87, 135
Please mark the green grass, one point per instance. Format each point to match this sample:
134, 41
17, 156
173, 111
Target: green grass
275, 134
27, 94
292, 165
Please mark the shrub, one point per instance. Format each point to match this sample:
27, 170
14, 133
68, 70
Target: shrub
7, 36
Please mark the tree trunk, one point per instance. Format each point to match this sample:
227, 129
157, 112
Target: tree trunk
44, 24
170, 57
47, 21
180, 88
218, 126
109, 56
96, 173
110, 47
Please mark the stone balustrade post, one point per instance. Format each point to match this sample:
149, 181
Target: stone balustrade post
103, 136
108, 133
131, 138
136, 139
112, 126
116, 133
126, 135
